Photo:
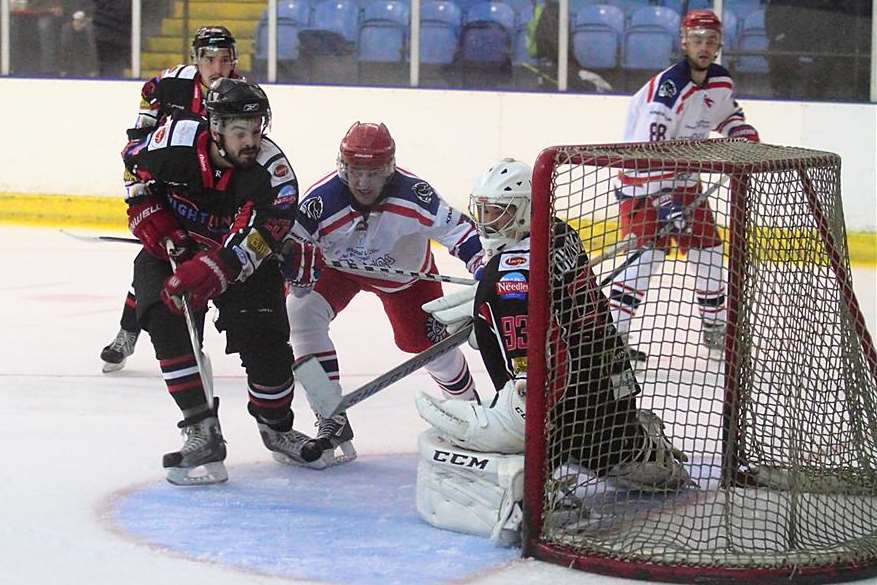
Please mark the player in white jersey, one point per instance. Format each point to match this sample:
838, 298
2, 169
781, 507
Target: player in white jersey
372, 213
686, 101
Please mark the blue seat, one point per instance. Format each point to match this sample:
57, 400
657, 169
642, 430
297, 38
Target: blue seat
292, 16
596, 36
753, 37
676, 5
338, 16
627, 6
440, 22
742, 8
651, 38
730, 26
487, 34
384, 32
294, 11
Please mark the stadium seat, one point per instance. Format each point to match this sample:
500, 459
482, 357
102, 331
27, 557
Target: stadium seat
294, 11
596, 36
384, 31
338, 16
676, 5
752, 38
440, 22
651, 38
626, 6
292, 16
729, 30
487, 34
742, 8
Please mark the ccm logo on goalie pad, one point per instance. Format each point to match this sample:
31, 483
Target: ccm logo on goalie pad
459, 459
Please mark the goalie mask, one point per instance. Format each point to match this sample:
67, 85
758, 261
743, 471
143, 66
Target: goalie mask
239, 116
500, 204
366, 161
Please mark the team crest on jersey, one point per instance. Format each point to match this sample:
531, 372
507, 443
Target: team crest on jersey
512, 286
159, 135
435, 331
667, 89
423, 191
514, 261
313, 208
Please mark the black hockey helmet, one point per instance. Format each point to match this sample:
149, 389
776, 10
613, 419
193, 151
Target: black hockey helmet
213, 37
236, 98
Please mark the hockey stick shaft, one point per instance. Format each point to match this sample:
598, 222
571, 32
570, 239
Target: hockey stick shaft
192, 326
85, 238
627, 245
320, 390
373, 270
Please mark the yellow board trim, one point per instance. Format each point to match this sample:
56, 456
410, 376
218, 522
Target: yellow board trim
110, 213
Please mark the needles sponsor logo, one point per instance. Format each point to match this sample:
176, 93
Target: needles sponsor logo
512, 286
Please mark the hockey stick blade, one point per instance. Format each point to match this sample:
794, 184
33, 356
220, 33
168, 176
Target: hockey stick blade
86, 238
323, 395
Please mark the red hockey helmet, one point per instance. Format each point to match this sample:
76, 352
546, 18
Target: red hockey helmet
701, 19
367, 145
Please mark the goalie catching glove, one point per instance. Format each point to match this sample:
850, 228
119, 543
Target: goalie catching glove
498, 428
203, 277
454, 311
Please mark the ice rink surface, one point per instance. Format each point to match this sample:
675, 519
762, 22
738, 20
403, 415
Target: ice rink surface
82, 493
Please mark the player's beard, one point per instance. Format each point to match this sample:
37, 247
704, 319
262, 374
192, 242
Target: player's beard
245, 158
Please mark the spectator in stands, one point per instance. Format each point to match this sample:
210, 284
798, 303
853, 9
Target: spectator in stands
112, 30
542, 35
78, 48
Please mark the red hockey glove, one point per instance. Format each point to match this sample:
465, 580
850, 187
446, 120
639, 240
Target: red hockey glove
744, 131
152, 223
203, 277
302, 266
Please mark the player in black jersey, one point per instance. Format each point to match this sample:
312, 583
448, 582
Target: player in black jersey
177, 91
225, 196
595, 396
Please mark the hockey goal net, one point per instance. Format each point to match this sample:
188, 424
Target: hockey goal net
780, 428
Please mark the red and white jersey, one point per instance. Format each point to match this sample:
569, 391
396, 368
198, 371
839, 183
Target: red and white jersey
394, 233
671, 107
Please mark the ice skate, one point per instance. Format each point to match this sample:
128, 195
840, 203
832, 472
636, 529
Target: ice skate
657, 467
117, 352
292, 447
335, 433
713, 336
200, 461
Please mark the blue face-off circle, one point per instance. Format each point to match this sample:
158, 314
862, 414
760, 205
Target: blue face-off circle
354, 524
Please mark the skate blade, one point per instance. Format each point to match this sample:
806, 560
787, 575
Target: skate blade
206, 474
110, 367
287, 460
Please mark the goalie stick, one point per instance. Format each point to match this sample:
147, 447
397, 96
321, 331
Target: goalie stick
325, 398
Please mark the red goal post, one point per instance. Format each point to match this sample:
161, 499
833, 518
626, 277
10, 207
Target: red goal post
780, 432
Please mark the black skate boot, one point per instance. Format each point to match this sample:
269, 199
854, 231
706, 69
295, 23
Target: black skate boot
335, 433
200, 461
115, 354
287, 445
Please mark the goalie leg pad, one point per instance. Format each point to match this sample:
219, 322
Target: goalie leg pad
471, 425
469, 492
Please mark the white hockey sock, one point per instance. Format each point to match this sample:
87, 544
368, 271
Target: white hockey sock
709, 284
630, 287
451, 373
